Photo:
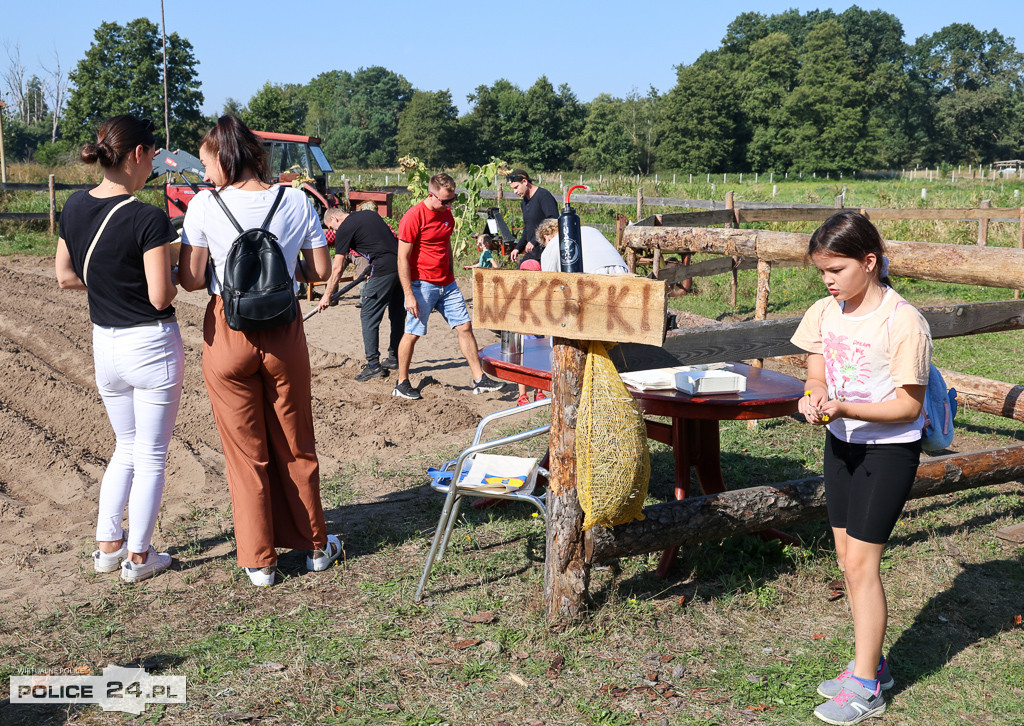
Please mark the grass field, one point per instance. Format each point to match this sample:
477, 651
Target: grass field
740, 633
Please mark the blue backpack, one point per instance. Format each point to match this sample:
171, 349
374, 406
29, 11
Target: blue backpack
939, 405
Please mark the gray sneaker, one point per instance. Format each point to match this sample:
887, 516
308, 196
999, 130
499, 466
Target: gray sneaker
391, 363
832, 687
853, 704
486, 385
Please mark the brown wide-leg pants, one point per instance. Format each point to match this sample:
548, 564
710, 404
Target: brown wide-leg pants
259, 387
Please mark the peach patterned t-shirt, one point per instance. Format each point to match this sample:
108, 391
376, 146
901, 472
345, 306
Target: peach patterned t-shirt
867, 358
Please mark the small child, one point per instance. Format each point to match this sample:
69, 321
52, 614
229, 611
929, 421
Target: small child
488, 249
868, 355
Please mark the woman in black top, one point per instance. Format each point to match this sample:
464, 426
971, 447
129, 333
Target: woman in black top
117, 249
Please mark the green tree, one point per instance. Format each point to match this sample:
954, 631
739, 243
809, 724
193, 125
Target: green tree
496, 126
763, 86
274, 108
122, 72
971, 76
825, 118
697, 131
365, 127
552, 121
603, 144
428, 128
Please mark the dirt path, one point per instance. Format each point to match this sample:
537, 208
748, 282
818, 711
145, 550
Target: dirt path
56, 439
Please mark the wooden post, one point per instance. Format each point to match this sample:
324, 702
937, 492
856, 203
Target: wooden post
53, 205
1020, 244
730, 204
656, 263
764, 274
838, 204
566, 569
639, 203
347, 189
620, 224
983, 224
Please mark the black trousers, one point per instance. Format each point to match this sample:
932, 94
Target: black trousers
382, 293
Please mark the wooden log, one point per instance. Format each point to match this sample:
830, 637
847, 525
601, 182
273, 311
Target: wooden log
734, 273
709, 518
990, 266
566, 568
986, 395
764, 274
983, 225
1020, 244
816, 213
770, 338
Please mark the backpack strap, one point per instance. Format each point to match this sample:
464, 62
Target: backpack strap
266, 222
92, 245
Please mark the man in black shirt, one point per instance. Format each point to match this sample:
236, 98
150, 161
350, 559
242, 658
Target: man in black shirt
368, 234
537, 204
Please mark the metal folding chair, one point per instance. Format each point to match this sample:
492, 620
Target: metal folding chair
447, 480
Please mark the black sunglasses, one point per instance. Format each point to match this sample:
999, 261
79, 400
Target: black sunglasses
445, 202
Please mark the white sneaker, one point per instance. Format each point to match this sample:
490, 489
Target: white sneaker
261, 576
320, 560
110, 561
155, 562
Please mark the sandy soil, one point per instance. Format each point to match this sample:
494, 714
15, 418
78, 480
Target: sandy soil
56, 438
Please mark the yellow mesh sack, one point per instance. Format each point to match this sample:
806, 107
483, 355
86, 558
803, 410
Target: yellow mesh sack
613, 463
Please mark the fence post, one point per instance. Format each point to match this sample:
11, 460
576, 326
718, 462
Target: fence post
764, 274
730, 204
345, 192
639, 203
1020, 243
838, 203
566, 572
53, 206
983, 224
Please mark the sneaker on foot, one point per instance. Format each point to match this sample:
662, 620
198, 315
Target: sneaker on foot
371, 371
486, 385
110, 561
522, 400
539, 396
831, 687
261, 576
391, 363
320, 560
404, 389
853, 704
155, 562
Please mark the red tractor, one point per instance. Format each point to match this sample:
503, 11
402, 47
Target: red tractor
294, 160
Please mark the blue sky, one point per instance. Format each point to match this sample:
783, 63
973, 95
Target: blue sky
595, 47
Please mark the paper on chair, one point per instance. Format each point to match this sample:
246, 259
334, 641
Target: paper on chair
655, 379
498, 474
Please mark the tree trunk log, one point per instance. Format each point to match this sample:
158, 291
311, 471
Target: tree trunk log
566, 571
989, 266
701, 519
986, 395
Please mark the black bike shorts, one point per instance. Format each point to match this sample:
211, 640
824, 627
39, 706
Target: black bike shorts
866, 485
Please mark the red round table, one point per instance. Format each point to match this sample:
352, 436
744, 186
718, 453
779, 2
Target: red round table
693, 429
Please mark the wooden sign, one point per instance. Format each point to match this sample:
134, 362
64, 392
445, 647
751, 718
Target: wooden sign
615, 308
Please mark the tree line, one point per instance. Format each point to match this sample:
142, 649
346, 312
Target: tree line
816, 91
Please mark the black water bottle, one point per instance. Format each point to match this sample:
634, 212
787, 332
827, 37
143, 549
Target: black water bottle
570, 246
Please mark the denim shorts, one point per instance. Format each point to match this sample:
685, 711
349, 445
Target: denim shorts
446, 300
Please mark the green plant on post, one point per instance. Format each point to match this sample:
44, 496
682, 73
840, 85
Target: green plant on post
480, 178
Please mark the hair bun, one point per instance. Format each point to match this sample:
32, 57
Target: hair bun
90, 154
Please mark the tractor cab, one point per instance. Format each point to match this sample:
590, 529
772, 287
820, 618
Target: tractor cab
298, 160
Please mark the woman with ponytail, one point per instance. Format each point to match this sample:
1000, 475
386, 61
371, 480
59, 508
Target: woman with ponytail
118, 250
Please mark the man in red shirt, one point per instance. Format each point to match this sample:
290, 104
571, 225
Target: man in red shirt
425, 268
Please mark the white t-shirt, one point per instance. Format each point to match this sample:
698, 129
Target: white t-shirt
867, 359
599, 255
295, 224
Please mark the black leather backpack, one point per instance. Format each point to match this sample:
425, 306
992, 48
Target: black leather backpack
257, 290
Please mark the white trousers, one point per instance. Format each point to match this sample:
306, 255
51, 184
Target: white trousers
139, 373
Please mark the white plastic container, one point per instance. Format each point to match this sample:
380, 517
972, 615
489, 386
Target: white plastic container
710, 382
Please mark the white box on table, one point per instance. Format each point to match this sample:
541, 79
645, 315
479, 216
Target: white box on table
709, 382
